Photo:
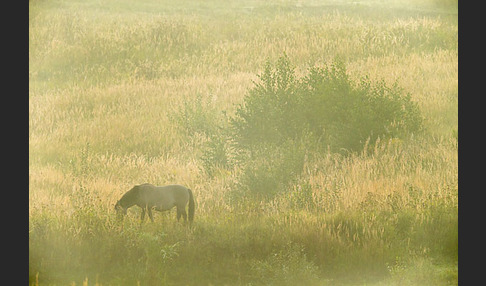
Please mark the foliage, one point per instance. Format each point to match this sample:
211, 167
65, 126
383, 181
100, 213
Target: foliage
283, 119
218, 154
271, 169
326, 104
268, 112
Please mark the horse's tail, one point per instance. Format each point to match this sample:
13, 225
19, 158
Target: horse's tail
191, 205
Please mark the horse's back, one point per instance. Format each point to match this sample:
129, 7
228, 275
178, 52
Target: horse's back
178, 192
173, 188
166, 197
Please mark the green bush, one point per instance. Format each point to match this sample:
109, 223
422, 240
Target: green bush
338, 113
285, 118
268, 114
217, 153
272, 169
344, 116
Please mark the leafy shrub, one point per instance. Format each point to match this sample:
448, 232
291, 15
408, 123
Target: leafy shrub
327, 104
285, 118
217, 154
268, 114
272, 169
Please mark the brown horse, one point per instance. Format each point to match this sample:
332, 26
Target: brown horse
159, 198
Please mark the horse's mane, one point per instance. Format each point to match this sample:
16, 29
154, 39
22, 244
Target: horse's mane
130, 196
132, 193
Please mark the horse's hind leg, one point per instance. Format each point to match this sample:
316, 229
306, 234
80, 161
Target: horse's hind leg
184, 214
181, 212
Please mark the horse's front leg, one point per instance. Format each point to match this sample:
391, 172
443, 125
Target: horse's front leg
142, 216
150, 214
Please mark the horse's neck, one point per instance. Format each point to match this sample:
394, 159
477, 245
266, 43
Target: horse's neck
127, 203
131, 204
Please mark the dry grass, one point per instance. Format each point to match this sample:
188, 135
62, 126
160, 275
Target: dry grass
108, 82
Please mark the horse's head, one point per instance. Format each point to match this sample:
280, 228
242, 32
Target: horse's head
120, 209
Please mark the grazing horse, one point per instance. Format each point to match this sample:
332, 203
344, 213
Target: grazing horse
160, 198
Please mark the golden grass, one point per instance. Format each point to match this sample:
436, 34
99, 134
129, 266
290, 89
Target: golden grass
107, 80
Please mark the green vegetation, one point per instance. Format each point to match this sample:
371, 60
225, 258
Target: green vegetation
319, 139
284, 119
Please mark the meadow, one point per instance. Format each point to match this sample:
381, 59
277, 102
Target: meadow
128, 92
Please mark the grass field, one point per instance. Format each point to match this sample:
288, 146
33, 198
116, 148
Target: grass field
128, 92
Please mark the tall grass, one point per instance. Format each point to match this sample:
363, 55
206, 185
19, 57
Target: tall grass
128, 92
